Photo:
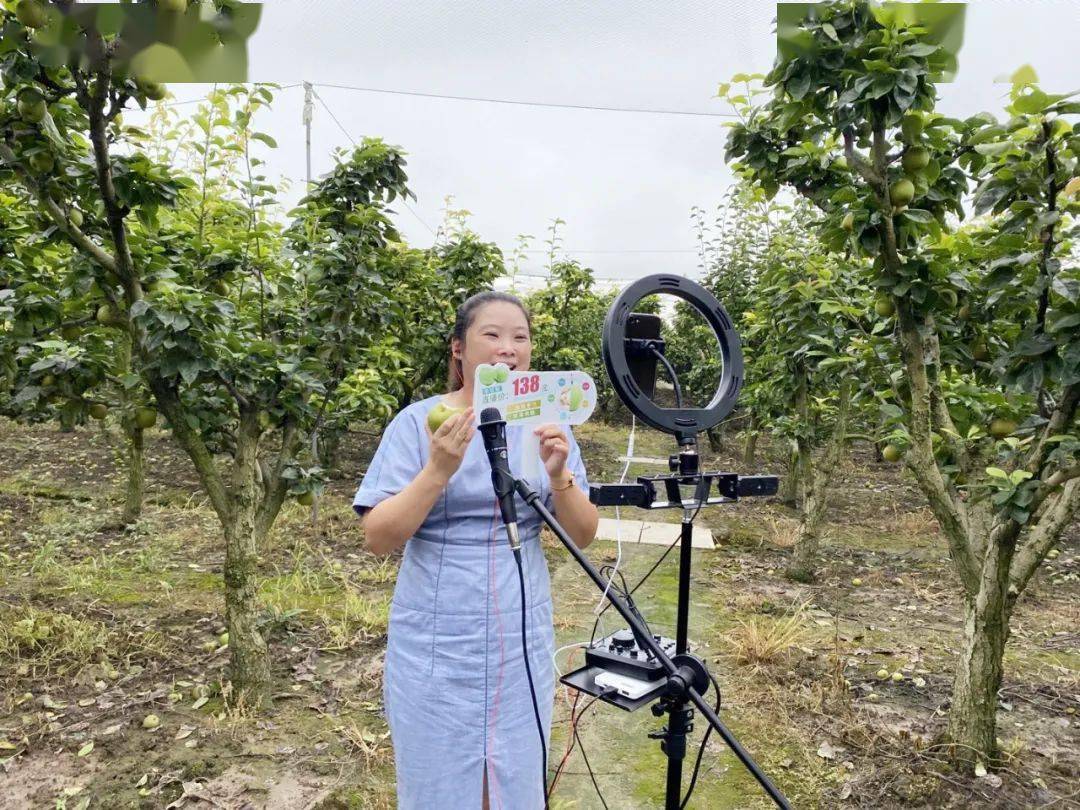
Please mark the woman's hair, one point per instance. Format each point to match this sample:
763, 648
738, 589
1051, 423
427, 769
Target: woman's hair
466, 314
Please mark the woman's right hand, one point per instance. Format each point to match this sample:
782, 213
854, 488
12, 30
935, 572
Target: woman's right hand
449, 443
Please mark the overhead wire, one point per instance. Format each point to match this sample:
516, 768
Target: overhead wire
341, 126
203, 99
524, 103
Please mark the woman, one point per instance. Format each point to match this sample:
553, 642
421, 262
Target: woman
456, 692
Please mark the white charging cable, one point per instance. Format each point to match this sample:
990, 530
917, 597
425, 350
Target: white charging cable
618, 519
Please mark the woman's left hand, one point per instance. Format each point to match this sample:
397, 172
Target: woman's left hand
554, 449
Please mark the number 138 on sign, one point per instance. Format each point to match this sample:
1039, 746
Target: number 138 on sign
526, 385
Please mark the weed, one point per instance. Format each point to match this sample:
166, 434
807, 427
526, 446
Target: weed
760, 642
42, 643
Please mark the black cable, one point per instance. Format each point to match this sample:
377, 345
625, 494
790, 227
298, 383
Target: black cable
532, 688
592, 776
671, 373
649, 573
705, 739
575, 738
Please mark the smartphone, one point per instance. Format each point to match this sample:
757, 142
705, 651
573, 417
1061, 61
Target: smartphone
642, 362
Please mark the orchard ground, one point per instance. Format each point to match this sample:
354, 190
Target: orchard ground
102, 625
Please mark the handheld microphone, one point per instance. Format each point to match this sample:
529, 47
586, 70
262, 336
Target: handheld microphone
493, 429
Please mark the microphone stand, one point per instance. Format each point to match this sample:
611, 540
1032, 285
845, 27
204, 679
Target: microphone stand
687, 677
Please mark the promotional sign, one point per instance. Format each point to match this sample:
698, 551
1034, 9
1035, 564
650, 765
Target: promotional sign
533, 398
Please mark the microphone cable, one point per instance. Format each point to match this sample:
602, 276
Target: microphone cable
532, 687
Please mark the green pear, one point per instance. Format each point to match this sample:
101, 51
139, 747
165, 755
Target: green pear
912, 127
1000, 428
31, 14
42, 162
439, 414
145, 417
901, 192
884, 306
108, 315
575, 397
502, 374
487, 375
915, 159
31, 108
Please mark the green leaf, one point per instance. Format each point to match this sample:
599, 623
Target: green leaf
86, 749
997, 472
1066, 322
918, 215
798, 85
991, 149
1034, 345
1031, 103
1067, 288
262, 136
921, 49
1025, 74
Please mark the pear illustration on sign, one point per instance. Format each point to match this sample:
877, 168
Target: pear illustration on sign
534, 397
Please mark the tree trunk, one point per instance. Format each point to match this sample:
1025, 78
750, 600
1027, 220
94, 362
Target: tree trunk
804, 553
817, 478
973, 714
67, 419
133, 434
750, 451
789, 486
716, 439
136, 480
249, 665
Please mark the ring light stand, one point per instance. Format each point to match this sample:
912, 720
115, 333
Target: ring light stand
653, 668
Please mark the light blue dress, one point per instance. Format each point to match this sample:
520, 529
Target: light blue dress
456, 692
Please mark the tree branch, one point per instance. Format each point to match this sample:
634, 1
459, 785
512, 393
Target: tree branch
79, 239
941, 419
858, 161
169, 399
241, 400
1060, 419
94, 104
274, 484
1051, 485
1061, 509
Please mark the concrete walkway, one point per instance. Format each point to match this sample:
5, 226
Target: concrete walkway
652, 532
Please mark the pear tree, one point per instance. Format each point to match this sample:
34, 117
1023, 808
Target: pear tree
236, 330
853, 126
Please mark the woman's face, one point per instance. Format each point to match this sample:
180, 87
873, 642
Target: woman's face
499, 333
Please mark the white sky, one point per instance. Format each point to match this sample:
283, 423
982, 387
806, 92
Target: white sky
624, 182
